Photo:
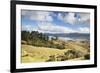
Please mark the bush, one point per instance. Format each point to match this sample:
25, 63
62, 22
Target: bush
71, 54
87, 56
60, 47
61, 58
51, 58
56, 58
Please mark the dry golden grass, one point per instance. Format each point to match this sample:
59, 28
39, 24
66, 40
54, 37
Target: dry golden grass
74, 46
42, 54
38, 54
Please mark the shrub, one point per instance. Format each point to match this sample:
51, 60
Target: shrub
58, 46
70, 54
51, 58
60, 58
56, 58
87, 56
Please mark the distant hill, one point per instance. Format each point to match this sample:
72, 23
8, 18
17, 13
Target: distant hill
71, 35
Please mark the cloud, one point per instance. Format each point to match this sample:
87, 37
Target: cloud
85, 18
48, 27
37, 15
60, 16
84, 30
75, 18
28, 28
67, 17
47, 24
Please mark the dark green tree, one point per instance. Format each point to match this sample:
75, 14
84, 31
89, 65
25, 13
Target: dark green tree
25, 35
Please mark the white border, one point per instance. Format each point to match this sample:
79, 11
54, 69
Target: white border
20, 65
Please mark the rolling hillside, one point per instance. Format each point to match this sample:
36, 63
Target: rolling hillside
73, 51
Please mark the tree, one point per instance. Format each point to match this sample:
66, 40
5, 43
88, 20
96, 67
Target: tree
25, 35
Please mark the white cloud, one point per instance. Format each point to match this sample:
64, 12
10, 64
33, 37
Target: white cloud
60, 16
38, 15
48, 27
70, 18
84, 18
28, 28
84, 30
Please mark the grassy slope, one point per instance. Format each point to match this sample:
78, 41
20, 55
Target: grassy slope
41, 54
38, 54
73, 45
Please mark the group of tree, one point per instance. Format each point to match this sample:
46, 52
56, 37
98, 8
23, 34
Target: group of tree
34, 38
27, 36
39, 39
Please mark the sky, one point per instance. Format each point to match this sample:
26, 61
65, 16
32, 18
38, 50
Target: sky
55, 21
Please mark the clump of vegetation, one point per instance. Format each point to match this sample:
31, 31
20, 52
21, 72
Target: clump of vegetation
87, 56
51, 58
38, 39
60, 58
56, 58
71, 54
60, 46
